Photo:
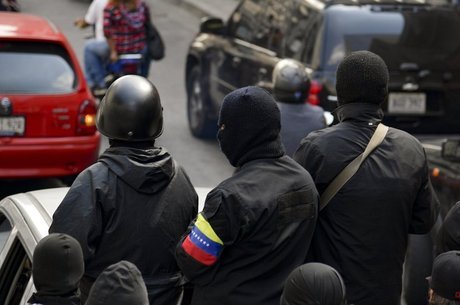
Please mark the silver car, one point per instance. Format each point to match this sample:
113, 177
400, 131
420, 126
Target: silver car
24, 220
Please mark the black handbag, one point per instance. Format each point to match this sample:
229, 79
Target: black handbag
155, 44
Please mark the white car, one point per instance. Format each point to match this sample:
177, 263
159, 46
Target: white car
24, 220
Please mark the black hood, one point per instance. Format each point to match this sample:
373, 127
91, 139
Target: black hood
249, 126
361, 112
314, 283
57, 266
119, 284
146, 170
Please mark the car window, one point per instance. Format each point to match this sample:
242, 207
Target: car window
303, 30
43, 68
261, 22
426, 37
15, 274
5, 231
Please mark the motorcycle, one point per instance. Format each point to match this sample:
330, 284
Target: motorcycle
125, 65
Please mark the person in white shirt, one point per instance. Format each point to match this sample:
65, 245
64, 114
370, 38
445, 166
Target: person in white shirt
96, 50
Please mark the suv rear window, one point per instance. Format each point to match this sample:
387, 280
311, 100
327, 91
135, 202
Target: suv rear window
426, 37
43, 68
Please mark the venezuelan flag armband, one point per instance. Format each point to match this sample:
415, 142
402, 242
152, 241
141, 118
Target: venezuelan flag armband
203, 244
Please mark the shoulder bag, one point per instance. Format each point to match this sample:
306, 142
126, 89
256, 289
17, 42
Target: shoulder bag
352, 167
155, 44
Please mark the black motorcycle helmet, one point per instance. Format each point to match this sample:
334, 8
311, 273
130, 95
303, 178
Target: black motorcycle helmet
290, 81
131, 110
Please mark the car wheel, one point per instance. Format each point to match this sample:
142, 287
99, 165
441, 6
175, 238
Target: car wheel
197, 107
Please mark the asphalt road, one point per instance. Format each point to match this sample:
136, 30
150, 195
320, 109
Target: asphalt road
202, 160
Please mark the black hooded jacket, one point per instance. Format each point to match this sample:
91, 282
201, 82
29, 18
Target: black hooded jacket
363, 232
256, 226
133, 204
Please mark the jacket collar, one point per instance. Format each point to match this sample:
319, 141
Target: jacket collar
360, 112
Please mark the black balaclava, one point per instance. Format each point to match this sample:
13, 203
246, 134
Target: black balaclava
249, 126
314, 284
119, 284
362, 77
449, 233
57, 266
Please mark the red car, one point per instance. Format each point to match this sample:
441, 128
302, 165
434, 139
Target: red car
47, 113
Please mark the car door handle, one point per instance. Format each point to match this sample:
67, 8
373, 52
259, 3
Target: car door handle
236, 61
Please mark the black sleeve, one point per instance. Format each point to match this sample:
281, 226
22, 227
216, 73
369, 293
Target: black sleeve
216, 227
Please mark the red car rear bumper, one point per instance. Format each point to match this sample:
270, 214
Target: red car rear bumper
47, 157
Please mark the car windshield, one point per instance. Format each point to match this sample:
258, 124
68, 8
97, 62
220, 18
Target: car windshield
35, 68
428, 38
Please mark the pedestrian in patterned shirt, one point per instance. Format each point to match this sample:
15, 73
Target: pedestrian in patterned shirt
125, 29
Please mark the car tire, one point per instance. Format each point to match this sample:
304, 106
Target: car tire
197, 106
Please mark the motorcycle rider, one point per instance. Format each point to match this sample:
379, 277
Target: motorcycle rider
136, 201
96, 50
298, 118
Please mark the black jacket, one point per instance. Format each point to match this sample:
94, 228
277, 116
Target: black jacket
448, 236
363, 231
134, 205
263, 218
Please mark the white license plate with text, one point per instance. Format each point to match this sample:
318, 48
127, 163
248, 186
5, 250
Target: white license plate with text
12, 126
407, 103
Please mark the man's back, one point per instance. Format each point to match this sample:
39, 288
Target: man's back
135, 202
363, 231
266, 234
256, 226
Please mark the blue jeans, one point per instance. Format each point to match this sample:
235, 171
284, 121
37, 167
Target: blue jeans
96, 56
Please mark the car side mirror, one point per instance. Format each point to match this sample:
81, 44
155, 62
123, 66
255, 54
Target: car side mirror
451, 150
212, 25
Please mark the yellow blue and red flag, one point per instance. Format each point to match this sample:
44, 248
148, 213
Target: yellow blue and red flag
202, 243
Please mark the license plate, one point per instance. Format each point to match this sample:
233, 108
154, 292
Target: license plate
407, 103
12, 126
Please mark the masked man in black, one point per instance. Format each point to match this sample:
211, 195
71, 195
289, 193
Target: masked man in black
136, 201
256, 226
57, 268
363, 232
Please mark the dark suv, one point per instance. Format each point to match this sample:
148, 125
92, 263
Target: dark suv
419, 42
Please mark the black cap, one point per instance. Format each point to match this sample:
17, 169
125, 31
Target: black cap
314, 283
362, 77
57, 265
445, 277
119, 284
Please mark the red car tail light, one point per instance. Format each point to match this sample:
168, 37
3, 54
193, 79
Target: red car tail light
313, 94
86, 124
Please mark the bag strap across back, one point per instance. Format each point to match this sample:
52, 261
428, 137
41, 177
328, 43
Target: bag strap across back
352, 167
